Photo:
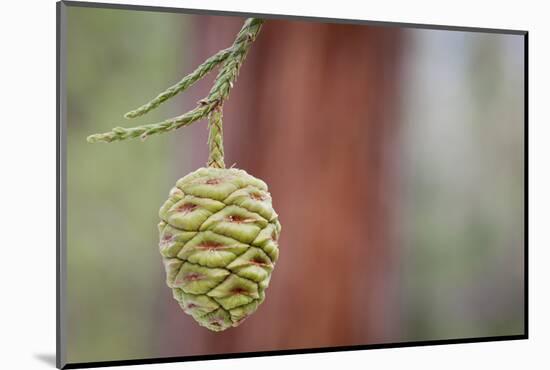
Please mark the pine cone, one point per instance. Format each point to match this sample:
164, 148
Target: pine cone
218, 239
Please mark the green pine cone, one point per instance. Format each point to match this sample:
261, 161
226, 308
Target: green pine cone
218, 239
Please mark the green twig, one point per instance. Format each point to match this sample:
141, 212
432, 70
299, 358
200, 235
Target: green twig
143, 131
219, 92
186, 82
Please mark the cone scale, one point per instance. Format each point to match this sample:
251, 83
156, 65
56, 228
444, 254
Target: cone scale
218, 241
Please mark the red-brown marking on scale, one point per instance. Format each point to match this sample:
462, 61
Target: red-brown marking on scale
258, 261
193, 276
213, 181
191, 305
210, 245
236, 218
215, 323
167, 238
239, 290
274, 236
187, 207
258, 196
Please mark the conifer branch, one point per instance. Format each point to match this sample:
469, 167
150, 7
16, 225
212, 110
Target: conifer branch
232, 59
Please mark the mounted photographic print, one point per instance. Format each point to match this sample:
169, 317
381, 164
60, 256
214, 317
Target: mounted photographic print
235, 185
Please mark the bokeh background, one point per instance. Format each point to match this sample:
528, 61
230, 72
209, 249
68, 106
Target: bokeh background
394, 157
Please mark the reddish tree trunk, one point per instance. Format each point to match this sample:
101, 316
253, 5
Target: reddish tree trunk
312, 114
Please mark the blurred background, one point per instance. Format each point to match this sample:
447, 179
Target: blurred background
394, 157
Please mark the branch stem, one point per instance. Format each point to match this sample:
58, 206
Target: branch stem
215, 139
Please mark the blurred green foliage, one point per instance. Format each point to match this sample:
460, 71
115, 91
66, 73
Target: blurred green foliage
463, 206
115, 190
